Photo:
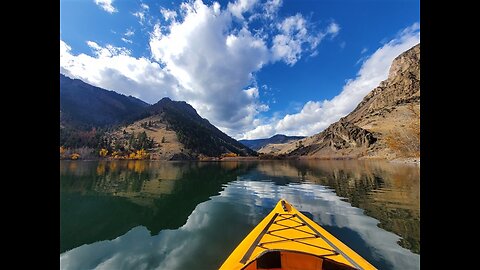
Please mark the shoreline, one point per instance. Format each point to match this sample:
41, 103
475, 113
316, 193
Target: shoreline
411, 161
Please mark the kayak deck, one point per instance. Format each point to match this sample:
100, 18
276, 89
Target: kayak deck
287, 239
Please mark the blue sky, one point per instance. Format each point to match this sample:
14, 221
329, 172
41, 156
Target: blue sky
253, 68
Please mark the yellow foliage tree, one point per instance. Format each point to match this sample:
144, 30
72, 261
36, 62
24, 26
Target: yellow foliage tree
139, 154
116, 154
142, 154
74, 156
103, 152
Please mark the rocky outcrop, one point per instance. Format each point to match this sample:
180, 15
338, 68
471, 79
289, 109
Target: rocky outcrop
402, 87
335, 140
385, 124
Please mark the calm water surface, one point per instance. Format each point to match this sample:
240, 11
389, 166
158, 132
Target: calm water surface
191, 215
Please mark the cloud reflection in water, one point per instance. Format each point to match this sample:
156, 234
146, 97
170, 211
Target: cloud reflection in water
216, 226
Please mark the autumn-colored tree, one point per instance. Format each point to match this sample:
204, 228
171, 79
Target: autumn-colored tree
74, 156
103, 152
230, 155
115, 154
142, 154
139, 154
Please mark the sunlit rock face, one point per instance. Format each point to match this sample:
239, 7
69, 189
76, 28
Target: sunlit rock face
385, 124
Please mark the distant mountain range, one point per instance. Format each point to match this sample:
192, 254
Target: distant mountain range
169, 129
279, 138
385, 124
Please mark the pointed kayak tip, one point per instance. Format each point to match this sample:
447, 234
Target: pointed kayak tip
285, 205
286, 239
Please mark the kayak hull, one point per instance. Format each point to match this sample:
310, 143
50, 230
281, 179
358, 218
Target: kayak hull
287, 239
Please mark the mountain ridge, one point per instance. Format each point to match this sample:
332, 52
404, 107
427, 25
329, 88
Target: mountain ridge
85, 106
166, 130
385, 124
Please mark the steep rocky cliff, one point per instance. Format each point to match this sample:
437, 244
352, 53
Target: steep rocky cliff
401, 88
385, 124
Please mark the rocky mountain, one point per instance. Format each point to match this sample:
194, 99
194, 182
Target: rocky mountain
385, 124
180, 133
259, 143
85, 106
94, 118
338, 137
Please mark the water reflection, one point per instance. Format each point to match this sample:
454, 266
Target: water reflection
167, 215
388, 192
97, 206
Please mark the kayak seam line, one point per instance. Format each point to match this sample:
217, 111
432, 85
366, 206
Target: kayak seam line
293, 228
331, 244
287, 228
297, 241
291, 216
259, 237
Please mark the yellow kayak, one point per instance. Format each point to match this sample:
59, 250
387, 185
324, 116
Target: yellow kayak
287, 239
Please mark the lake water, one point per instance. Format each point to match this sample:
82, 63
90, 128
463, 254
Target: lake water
191, 215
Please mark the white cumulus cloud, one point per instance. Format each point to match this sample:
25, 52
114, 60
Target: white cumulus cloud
315, 116
213, 63
106, 5
113, 68
295, 38
271, 8
241, 6
168, 15
205, 54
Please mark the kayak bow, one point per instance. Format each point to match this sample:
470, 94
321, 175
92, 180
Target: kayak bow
287, 239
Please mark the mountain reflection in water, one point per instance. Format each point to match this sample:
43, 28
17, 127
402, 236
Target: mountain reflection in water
167, 215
